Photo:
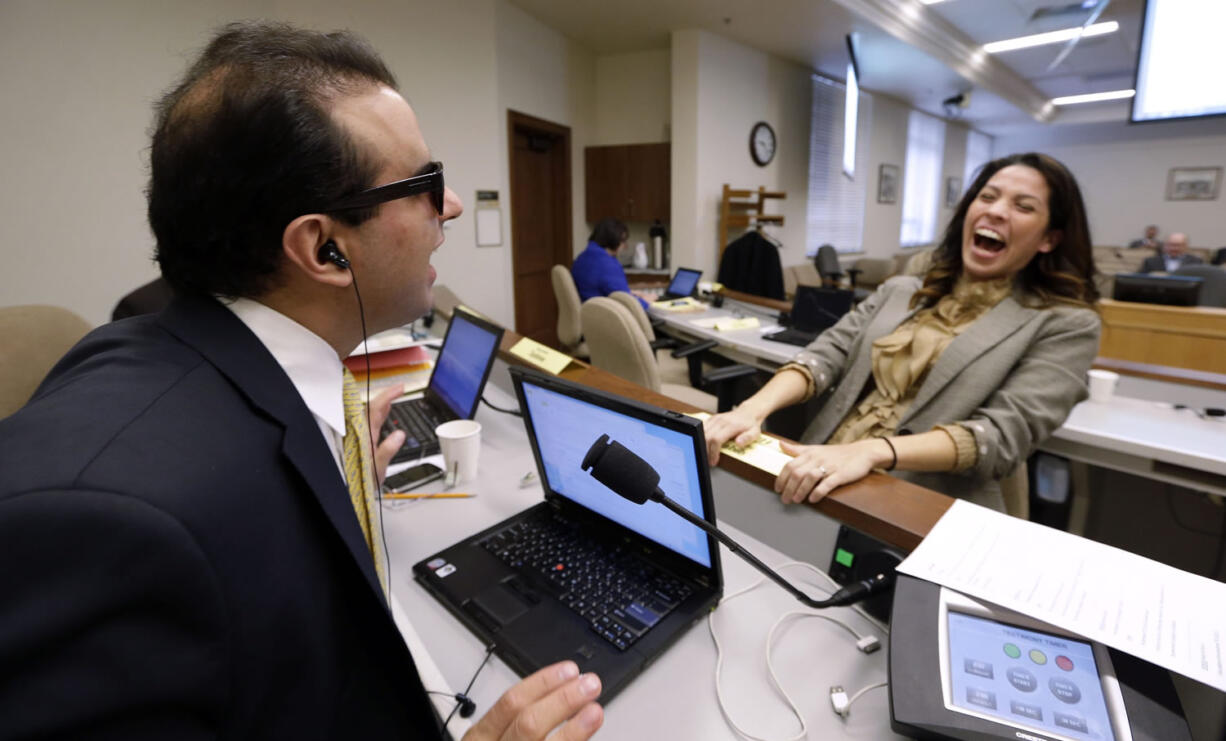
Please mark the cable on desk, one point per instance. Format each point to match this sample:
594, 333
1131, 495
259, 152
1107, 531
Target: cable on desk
512, 412
866, 644
842, 704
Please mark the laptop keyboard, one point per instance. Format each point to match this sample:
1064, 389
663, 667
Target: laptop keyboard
792, 336
418, 420
619, 595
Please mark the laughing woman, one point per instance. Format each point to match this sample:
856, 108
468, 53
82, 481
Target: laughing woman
953, 381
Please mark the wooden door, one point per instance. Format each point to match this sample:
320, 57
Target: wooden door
540, 220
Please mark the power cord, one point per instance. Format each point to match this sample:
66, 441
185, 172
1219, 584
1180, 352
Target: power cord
842, 703
865, 643
512, 412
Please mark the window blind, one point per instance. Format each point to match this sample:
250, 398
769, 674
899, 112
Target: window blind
835, 209
922, 179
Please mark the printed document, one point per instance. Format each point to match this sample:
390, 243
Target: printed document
1153, 611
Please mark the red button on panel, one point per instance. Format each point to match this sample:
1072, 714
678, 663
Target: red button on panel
1064, 663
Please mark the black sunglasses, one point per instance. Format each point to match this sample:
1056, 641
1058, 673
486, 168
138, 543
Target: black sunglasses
429, 182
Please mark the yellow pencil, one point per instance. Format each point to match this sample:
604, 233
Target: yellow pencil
435, 495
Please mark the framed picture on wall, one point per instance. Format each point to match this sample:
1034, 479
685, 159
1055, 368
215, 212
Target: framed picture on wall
953, 190
887, 184
1193, 183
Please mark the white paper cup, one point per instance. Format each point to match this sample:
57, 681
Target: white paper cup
460, 440
1102, 384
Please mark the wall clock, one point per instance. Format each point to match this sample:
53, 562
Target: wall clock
762, 143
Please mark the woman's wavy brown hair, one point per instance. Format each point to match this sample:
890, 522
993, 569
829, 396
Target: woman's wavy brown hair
1063, 276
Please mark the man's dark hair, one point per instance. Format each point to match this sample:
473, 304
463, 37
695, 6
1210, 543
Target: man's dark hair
609, 233
245, 144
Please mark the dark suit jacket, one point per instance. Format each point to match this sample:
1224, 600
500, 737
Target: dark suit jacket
751, 265
180, 557
1157, 263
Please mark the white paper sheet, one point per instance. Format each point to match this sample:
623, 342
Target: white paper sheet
1166, 616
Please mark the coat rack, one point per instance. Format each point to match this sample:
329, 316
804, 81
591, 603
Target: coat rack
740, 209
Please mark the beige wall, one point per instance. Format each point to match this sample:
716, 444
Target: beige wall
633, 97
79, 79
720, 89
888, 145
1123, 170
543, 74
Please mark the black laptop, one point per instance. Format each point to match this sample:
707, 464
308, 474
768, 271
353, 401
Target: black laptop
814, 310
587, 575
455, 385
683, 284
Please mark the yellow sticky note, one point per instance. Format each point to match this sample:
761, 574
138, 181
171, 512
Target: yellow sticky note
680, 304
745, 322
540, 355
763, 454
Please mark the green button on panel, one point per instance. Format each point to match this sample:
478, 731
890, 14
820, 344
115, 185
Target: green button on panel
1012, 651
844, 557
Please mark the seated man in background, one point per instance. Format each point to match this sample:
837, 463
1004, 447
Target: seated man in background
192, 542
596, 270
1150, 240
1173, 257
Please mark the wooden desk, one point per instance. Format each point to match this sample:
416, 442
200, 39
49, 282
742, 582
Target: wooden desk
1192, 337
889, 509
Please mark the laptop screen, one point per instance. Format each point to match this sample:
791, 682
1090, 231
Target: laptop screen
463, 364
816, 308
564, 427
684, 282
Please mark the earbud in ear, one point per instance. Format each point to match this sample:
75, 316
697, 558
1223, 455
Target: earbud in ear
329, 252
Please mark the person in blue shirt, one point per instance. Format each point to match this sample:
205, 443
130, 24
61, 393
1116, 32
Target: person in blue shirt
596, 270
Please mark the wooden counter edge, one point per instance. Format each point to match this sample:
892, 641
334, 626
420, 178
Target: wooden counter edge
889, 509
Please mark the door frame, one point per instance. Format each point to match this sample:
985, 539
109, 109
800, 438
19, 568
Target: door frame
564, 251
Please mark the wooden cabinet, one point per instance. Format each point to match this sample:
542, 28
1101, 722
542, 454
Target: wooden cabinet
631, 182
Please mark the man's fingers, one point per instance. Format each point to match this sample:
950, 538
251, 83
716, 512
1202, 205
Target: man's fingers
382, 404
559, 706
497, 722
582, 725
385, 451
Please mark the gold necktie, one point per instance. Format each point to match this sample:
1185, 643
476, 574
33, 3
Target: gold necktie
358, 459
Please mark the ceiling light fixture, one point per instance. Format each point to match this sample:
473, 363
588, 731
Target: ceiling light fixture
1093, 97
1051, 37
931, 2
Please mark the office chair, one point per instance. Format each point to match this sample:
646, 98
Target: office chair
570, 325
1213, 283
873, 271
33, 339
618, 345
668, 365
827, 263
918, 263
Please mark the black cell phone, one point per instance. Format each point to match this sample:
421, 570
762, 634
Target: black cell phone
413, 477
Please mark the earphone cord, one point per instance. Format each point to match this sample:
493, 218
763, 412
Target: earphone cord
489, 651
374, 469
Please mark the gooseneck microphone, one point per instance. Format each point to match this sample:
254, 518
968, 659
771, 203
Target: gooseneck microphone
628, 475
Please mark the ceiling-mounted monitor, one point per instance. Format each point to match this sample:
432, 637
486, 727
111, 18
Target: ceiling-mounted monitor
1180, 61
851, 109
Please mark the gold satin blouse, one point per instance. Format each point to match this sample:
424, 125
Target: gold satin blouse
901, 361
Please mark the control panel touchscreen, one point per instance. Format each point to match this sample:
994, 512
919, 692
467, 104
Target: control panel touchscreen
1026, 678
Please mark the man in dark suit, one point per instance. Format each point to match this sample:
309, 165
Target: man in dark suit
1174, 256
190, 546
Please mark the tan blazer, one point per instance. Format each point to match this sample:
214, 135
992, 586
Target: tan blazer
1011, 378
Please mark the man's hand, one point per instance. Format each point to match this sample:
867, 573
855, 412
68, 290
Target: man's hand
555, 695
379, 409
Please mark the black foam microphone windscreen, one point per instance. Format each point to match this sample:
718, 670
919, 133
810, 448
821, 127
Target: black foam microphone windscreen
613, 465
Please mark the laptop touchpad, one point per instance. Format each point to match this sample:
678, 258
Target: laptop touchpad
501, 604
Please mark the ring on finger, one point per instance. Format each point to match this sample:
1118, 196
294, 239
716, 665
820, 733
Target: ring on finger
823, 470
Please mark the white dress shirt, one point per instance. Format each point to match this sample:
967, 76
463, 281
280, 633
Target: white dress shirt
310, 363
